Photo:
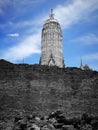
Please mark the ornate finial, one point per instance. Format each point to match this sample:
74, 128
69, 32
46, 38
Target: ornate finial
51, 15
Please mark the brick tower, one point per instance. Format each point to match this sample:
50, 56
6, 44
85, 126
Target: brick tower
51, 43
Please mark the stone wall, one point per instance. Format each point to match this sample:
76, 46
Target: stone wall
42, 89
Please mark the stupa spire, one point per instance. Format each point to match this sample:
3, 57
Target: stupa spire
81, 65
51, 43
81, 62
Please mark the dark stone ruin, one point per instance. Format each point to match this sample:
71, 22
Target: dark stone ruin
43, 97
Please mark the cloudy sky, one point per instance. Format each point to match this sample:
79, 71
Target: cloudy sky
21, 23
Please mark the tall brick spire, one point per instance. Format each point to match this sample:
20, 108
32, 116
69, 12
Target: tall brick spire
51, 43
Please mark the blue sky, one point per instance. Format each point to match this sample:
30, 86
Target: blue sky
21, 22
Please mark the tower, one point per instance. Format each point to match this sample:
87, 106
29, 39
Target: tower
84, 67
51, 43
81, 65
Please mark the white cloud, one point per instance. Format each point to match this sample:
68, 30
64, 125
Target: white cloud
91, 57
92, 60
67, 15
88, 39
75, 11
13, 35
3, 4
25, 2
27, 47
1, 11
